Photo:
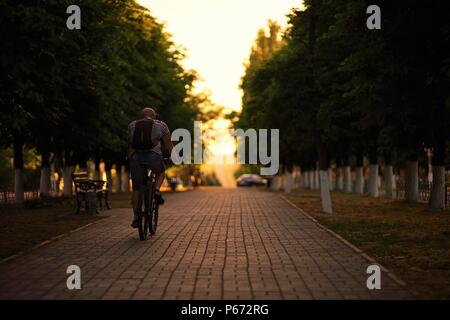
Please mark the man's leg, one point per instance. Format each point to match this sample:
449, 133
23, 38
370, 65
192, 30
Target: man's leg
160, 179
136, 201
137, 177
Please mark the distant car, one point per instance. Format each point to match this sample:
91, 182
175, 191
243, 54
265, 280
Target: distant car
250, 180
174, 182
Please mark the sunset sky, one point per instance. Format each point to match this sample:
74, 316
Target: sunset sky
218, 35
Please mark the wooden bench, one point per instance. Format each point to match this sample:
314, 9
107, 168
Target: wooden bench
83, 185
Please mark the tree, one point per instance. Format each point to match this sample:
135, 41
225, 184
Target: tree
72, 94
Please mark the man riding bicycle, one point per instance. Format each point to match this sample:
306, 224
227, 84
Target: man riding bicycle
145, 136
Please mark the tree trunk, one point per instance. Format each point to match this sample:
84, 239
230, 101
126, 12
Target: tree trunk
316, 179
125, 179
311, 179
412, 181
394, 185
302, 178
340, 179
325, 192
323, 174
19, 193
117, 177
438, 191
347, 179
306, 179
287, 187
276, 183
67, 173
389, 181
67, 176
330, 178
109, 179
98, 173
108, 168
359, 183
373, 181
296, 177
44, 185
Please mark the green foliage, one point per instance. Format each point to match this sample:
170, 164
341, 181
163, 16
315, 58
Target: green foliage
338, 89
73, 93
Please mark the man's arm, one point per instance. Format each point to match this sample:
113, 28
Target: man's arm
168, 143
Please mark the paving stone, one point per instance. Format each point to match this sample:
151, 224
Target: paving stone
211, 243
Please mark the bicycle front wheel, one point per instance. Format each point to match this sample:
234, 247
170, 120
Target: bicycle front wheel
153, 219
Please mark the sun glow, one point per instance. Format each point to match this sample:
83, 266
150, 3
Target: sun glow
218, 36
222, 144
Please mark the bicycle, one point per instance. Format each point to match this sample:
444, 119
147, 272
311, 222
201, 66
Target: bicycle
148, 219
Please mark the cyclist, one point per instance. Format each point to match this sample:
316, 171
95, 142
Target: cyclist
145, 136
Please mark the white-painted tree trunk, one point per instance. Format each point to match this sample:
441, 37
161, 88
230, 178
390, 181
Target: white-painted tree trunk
373, 181
91, 170
109, 179
316, 180
311, 180
347, 179
125, 180
389, 181
359, 182
325, 191
296, 177
330, 179
276, 183
437, 202
19, 195
67, 176
44, 184
394, 184
302, 180
288, 181
340, 179
306, 179
412, 181
117, 178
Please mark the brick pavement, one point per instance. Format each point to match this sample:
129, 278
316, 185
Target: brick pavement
211, 244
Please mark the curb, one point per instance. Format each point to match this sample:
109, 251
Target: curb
358, 251
52, 239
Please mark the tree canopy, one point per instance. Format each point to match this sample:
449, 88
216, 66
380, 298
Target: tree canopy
339, 90
73, 92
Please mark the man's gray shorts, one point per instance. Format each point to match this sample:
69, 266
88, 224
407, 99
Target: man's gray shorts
139, 161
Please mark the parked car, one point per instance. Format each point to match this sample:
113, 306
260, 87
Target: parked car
174, 182
250, 180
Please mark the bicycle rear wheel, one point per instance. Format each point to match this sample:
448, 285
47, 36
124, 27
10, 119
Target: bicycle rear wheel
153, 219
143, 226
145, 220
153, 212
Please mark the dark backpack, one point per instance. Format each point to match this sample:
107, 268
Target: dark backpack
142, 137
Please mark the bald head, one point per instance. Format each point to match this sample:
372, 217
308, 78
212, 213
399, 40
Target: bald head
149, 113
